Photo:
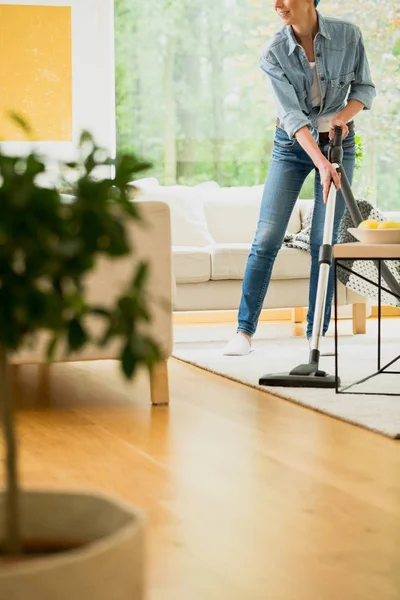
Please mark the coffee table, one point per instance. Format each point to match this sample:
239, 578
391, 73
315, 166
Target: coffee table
376, 253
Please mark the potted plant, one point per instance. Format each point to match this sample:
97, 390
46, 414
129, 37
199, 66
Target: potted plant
67, 545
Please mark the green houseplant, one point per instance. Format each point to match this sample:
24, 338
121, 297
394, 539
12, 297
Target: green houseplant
48, 245
360, 154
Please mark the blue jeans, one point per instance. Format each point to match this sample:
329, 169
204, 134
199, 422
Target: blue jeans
288, 169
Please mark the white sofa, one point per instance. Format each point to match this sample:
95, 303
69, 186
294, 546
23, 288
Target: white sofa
152, 243
212, 231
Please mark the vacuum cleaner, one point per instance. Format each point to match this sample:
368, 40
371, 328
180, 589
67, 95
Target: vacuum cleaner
309, 374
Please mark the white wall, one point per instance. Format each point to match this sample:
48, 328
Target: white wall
93, 84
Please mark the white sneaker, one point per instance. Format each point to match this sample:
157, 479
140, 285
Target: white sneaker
237, 346
326, 346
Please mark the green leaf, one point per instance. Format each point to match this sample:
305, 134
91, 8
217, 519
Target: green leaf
85, 137
51, 348
77, 336
107, 335
20, 121
141, 275
99, 311
128, 361
34, 167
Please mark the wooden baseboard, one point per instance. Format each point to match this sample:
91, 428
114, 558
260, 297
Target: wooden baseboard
387, 311
279, 314
228, 316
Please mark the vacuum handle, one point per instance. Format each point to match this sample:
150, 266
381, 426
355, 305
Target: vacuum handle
335, 154
338, 136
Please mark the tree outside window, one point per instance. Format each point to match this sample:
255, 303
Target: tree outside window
191, 96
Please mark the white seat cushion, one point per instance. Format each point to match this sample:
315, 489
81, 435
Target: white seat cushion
229, 262
143, 183
188, 222
191, 264
232, 213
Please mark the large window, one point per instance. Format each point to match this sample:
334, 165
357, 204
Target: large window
192, 99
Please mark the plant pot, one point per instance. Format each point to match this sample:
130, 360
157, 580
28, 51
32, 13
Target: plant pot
106, 561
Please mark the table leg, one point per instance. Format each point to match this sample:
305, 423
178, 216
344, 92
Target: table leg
379, 311
336, 331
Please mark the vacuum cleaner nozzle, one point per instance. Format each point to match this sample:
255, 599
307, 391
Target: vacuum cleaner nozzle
319, 379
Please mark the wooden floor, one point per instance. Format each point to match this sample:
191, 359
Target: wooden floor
248, 497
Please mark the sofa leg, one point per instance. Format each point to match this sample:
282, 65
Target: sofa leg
298, 315
359, 318
159, 388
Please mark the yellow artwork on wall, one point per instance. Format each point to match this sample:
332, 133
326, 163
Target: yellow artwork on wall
36, 71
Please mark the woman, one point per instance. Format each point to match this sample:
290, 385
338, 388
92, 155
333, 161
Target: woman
312, 63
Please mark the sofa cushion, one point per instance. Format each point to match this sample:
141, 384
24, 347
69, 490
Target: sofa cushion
188, 222
228, 261
191, 264
232, 213
144, 182
304, 208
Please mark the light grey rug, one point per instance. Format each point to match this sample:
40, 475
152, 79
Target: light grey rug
275, 349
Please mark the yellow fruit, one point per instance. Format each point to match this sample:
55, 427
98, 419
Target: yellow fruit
389, 225
369, 224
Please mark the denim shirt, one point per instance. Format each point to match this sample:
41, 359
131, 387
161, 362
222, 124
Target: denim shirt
341, 65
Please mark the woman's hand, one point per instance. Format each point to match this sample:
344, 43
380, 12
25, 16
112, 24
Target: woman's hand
338, 121
328, 173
